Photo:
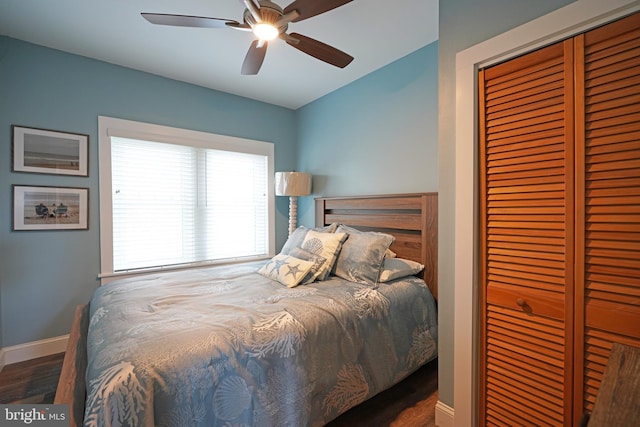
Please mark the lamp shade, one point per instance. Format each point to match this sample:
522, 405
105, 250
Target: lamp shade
293, 184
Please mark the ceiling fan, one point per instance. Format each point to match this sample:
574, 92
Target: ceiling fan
267, 21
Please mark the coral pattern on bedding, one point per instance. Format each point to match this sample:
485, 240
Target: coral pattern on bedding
226, 346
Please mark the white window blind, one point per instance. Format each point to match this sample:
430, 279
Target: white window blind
181, 204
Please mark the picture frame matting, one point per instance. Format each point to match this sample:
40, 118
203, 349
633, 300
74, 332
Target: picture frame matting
49, 151
50, 208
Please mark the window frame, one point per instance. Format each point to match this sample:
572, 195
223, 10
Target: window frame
109, 126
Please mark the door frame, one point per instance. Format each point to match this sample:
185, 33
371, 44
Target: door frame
565, 22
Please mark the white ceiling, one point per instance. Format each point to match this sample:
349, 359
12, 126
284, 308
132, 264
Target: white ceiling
375, 32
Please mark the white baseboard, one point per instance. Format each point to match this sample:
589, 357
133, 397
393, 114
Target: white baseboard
444, 415
33, 350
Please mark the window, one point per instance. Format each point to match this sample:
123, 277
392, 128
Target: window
173, 198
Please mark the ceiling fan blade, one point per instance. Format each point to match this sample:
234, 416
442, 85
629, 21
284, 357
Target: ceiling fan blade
238, 26
188, 21
319, 50
254, 58
308, 8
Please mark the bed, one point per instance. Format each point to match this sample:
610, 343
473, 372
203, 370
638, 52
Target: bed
245, 345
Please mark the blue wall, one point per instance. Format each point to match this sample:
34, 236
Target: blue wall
377, 135
44, 274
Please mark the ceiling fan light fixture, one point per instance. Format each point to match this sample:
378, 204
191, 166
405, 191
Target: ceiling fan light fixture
265, 31
267, 21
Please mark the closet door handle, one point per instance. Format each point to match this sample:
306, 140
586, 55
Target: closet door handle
521, 302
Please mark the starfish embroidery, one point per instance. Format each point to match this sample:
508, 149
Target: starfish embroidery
293, 270
277, 264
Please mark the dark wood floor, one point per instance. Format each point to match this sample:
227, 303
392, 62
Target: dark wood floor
410, 403
32, 381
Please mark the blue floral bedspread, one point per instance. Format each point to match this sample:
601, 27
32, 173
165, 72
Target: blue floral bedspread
226, 346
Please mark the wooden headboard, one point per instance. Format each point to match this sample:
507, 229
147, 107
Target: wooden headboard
411, 218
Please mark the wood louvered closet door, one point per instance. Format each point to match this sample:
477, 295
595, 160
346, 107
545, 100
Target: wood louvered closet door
560, 224
608, 199
528, 235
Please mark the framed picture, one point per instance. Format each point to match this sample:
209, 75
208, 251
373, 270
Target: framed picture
50, 208
48, 151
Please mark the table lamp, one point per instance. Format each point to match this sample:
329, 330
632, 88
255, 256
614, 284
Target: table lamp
293, 184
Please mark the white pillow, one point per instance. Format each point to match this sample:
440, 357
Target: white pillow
326, 245
394, 268
297, 237
286, 269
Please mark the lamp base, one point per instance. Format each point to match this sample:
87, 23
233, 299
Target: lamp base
293, 213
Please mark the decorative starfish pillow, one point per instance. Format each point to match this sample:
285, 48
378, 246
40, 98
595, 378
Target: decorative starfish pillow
286, 269
317, 260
